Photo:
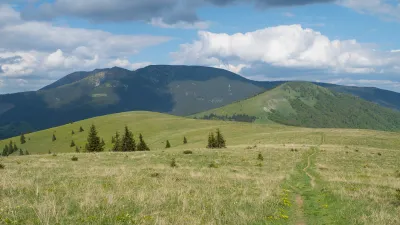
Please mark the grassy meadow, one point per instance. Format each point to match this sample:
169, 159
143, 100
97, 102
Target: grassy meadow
306, 176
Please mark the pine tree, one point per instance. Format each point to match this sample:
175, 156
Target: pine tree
26, 152
72, 144
142, 146
5, 151
54, 138
185, 141
21, 152
93, 141
220, 141
10, 148
22, 139
15, 148
112, 139
72, 132
102, 143
77, 149
168, 145
128, 143
117, 143
211, 141
81, 129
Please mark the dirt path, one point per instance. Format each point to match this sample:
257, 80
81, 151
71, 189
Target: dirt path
300, 210
312, 179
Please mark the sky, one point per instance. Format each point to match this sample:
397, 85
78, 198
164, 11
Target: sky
348, 42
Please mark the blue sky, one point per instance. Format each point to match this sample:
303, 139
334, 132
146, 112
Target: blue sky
350, 42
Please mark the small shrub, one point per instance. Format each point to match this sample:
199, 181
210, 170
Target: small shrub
356, 150
54, 154
74, 158
380, 154
2, 166
259, 164
398, 195
18, 162
173, 163
155, 175
168, 145
49, 152
187, 152
260, 157
397, 174
213, 165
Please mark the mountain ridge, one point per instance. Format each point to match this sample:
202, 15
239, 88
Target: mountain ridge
177, 90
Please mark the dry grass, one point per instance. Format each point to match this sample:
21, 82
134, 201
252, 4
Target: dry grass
110, 188
366, 178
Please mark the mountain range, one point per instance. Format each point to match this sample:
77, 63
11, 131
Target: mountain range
177, 90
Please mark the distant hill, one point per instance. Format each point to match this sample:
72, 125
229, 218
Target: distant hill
308, 105
177, 90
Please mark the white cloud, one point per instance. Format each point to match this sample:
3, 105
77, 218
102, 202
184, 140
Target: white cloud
383, 8
284, 46
125, 63
46, 50
200, 25
288, 14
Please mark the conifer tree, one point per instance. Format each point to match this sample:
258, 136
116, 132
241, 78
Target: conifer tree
15, 148
128, 143
117, 143
26, 152
185, 141
22, 139
72, 144
220, 141
72, 132
81, 129
10, 148
21, 152
112, 139
5, 151
142, 146
93, 141
168, 145
102, 143
54, 138
76, 149
211, 141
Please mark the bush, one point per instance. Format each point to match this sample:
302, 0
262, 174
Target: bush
74, 158
379, 153
398, 195
260, 157
213, 165
187, 152
155, 175
2, 166
173, 163
168, 145
54, 154
397, 174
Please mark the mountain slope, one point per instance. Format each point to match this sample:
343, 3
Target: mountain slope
178, 90
306, 104
157, 128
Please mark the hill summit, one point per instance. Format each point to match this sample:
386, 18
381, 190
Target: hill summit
306, 104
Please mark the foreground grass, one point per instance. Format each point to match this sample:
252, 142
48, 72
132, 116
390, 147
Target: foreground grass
308, 176
142, 188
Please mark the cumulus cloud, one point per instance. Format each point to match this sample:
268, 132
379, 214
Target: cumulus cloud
163, 13
125, 63
283, 46
41, 49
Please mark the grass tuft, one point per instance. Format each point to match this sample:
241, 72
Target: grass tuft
74, 158
188, 152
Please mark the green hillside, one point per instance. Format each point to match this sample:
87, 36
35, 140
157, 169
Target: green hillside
308, 105
157, 128
268, 174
